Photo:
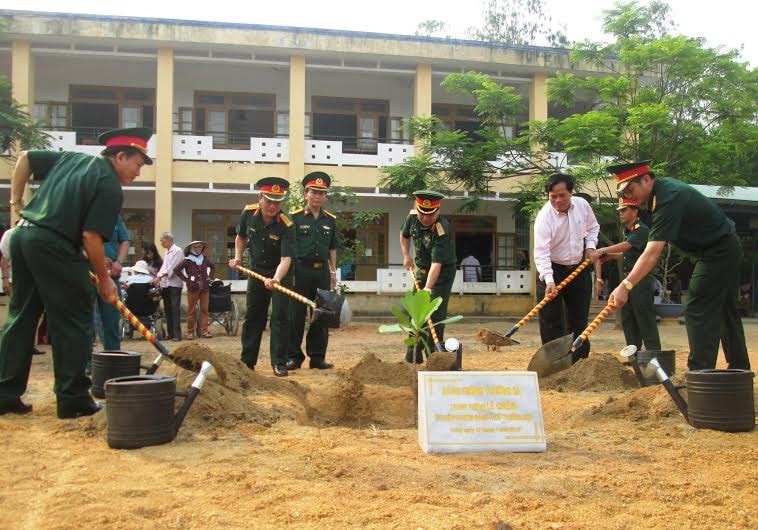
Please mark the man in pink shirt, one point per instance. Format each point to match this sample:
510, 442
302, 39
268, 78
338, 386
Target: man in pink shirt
565, 233
171, 285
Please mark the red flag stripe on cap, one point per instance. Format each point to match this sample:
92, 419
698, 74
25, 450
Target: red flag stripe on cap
426, 203
631, 173
127, 141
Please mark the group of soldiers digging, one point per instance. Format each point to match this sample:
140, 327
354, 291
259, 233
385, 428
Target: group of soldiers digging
61, 232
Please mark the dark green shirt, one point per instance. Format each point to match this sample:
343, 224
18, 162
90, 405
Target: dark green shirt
267, 243
637, 237
314, 238
685, 217
78, 193
431, 245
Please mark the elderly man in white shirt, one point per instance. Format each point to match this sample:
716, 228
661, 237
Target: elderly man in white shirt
171, 285
565, 233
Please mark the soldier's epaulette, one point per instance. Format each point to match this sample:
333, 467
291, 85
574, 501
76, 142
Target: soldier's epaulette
330, 214
440, 229
296, 211
636, 226
286, 220
412, 212
250, 207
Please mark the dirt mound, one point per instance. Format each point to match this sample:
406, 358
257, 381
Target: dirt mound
648, 402
599, 372
372, 370
441, 361
492, 339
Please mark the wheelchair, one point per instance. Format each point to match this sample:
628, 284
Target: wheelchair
143, 300
222, 309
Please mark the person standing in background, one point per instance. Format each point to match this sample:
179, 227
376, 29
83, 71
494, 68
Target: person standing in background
196, 270
171, 286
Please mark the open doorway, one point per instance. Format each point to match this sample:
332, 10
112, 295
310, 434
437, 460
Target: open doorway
479, 245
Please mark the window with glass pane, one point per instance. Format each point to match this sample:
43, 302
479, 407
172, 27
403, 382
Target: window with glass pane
396, 130
282, 124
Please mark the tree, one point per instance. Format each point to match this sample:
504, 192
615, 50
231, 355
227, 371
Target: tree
17, 128
433, 28
689, 108
518, 22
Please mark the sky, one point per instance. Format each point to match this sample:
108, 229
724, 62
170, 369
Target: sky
725, 23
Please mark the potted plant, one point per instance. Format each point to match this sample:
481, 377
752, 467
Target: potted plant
667, 309
415, 319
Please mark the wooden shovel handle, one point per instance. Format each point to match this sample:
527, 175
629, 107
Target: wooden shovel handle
594, 324
289, 292
133, 320
435, 338
549, 297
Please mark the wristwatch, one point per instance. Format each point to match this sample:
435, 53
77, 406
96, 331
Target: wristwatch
626, 283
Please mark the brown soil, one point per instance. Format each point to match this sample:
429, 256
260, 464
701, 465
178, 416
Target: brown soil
337, 449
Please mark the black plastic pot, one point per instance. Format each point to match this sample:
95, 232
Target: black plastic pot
108, 364
721, 399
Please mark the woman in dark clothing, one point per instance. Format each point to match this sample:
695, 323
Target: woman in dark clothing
153, 259
196, 271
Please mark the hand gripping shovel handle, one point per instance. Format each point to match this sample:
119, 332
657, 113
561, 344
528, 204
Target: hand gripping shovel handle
593, 325
435, 338
281, 289
549, 297
139, 326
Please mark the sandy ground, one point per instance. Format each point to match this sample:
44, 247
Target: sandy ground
337, 449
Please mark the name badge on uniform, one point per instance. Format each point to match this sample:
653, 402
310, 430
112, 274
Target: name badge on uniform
305, 228
274, 237
327, 228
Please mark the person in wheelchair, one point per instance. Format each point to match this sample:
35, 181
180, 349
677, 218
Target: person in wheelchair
142, 299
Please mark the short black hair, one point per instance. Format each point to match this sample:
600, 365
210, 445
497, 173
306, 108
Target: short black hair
557, 178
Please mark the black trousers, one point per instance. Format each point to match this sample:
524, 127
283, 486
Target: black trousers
172, 306
567, 312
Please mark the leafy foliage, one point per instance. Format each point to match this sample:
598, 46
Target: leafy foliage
518, 22
418, 307
17, 129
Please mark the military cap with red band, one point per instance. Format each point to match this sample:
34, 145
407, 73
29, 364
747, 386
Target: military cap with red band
135, 137
318, 180
624, 173
626, 203
428, 201
273, 188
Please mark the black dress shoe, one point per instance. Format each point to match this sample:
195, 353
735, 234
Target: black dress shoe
293, 365
280, 370
320, 365
14, 406
88, 410
251, 366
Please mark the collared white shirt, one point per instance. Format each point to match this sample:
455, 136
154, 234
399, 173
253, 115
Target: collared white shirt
174, 256
561, 237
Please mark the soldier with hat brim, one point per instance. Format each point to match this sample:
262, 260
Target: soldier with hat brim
316, 245
684, 217
269, 237
434, 259
75, 208
638, 316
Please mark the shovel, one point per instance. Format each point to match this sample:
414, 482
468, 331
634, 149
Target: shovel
545, 300
150, 336
330, 309
556, 355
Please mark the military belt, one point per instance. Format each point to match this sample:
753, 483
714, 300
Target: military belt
312, 263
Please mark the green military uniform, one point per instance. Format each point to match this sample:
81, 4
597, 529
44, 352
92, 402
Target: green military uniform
315, 238
638, 316
431, 245
78, 193
696, 225
267, 244
110, 316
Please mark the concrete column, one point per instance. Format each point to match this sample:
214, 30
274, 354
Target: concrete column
164, 158
537, 111
422, 90
297, 118
22, 81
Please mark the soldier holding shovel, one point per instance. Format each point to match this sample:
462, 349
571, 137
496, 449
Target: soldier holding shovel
684, 217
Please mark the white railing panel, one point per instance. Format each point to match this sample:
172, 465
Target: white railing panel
323, 152
513, 281
231, 155
393, 281
392, 154
352, 159
270, 149
188, 147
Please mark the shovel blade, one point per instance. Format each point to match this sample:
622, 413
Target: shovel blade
552, 357
332, 310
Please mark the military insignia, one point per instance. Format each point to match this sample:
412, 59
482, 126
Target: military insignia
327, 228
276, 188
330, 214
636, 226
286, 220
427, 203
412, 212
296, 211
655, 203
320, 181
274, 237
249, 207
440, 229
